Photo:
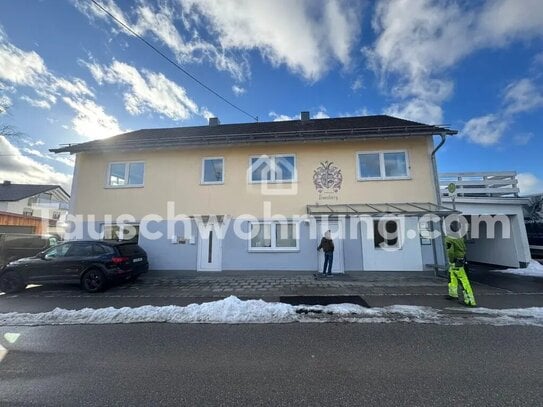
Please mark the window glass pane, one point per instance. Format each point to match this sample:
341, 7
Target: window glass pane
260, 169
395, 165
213, 170
284, 168
285, 234
116, 174
369, 165
135, 174
118, 233
131, 232
388, 236
98, 249
58, 251
80, 250
111, 232
260, 235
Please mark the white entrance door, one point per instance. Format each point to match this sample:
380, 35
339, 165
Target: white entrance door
336, 230
210, 248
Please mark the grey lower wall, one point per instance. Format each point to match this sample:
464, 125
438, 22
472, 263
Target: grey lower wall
164, 254
167, 253
236, 255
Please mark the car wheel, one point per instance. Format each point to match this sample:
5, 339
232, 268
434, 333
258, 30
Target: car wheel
11, 282
93, 281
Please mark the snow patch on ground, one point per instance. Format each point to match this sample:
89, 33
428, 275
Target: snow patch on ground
232, 310
534, 269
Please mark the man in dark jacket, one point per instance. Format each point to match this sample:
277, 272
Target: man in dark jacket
327, 246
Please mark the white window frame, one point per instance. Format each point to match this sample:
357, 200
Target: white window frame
383, 176
126, 170
273, 232
272, 169
202, 179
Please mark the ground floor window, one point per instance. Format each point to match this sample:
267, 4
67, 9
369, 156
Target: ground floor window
273, 236
121, 232
386, 233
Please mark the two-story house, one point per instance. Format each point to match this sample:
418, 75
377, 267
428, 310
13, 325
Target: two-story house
32, 208
259, 196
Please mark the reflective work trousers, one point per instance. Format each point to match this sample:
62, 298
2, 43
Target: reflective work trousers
458, 273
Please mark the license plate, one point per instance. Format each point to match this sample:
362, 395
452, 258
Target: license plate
137, 260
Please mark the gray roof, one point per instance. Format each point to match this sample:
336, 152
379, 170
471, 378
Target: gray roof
16, 192
336, 129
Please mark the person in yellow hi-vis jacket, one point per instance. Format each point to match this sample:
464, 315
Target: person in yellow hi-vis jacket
456, 251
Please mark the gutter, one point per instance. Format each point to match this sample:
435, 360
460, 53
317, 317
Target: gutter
439, 202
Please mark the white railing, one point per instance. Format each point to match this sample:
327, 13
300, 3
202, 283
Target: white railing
480, 184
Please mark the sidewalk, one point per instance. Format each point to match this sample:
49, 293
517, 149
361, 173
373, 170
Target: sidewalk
181, 288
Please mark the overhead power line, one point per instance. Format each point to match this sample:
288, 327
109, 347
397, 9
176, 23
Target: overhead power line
171, 61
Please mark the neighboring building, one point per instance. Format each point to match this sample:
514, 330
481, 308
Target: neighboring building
27, 208
490, 194
533, 218
235, 179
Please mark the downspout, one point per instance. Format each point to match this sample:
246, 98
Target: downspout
438, 200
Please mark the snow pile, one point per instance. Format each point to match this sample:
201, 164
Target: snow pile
232, 310
510, 316
534, 269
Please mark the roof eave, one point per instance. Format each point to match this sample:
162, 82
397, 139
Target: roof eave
226, 141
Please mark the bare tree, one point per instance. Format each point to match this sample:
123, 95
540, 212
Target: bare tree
6, 130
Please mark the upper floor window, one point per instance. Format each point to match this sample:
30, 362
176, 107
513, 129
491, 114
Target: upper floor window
382, 165
276, 168
213, 170
126, 174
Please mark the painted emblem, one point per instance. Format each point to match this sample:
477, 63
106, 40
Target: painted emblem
327, 177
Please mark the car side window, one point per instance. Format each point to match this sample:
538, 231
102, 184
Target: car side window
58, 251
81, 250
99, 250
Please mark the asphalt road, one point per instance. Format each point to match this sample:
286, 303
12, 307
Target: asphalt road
293, 364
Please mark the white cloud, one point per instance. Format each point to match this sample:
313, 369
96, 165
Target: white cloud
522, 138
238, 90
91, 120
305, 36
17, 167
528, 183
485, 130
39, 103
321, 114
418, 110
419, 40
278, 117
147, 91
522, 96
33, 151
20, 67
519, 96
357, 84
74, 87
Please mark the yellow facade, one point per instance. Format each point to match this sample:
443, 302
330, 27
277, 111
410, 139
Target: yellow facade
175, 175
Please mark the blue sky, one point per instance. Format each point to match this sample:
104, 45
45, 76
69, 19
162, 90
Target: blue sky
70, 74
